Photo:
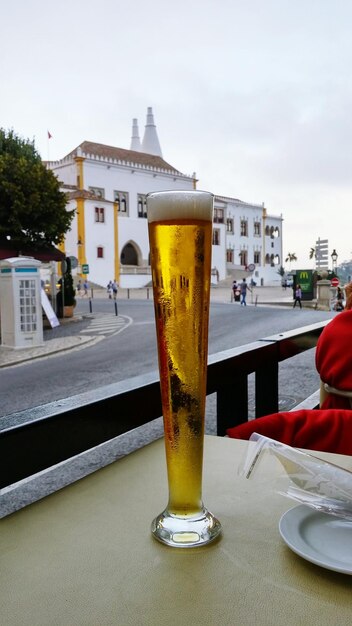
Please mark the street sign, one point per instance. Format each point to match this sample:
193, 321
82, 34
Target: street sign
335, 282
321, 253
85, 268
251, 267
74, 262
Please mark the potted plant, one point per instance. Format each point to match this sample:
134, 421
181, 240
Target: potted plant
66, 300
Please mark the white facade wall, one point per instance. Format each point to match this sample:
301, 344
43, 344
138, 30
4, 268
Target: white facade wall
99, 234
132, 179
66, 171
71, 237
254, 241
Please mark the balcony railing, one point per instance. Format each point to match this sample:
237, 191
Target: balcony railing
52, 433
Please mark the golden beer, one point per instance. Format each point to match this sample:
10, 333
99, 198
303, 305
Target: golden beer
180, 233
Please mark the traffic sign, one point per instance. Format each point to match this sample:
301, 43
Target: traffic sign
251, 267
74, 262
85, 268
335, 282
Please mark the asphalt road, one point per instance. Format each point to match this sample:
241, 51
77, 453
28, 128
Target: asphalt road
133, 351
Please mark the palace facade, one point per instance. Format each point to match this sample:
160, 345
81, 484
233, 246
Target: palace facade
107, 187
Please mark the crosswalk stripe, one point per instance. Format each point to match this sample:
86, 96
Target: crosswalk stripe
102, 325
106, 325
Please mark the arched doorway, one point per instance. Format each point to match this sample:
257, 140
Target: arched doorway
129, 254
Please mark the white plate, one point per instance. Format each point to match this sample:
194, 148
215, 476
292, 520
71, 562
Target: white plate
319, 538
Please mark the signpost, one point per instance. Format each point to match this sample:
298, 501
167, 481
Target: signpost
74, 262
321, 254
335, 282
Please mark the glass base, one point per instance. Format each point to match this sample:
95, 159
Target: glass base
186, 531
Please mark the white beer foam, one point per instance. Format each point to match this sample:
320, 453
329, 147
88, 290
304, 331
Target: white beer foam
171, 205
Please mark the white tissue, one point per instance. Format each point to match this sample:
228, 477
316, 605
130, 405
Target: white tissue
315, 483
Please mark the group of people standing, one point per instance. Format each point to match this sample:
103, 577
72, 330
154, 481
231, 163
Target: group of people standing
338, 306
112, 289
240, 291
82, 290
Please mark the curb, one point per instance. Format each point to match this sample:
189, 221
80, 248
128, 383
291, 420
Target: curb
80, 343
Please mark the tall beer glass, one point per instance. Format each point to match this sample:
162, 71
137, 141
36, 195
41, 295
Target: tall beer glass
180, 234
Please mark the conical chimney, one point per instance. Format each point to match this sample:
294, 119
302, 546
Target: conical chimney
150, 143
135, 140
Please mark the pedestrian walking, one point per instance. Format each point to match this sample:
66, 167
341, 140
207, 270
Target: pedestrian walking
234, 289
109, 289
339, 300
79, 287
115, 289
298, 296
85, 289
243, 288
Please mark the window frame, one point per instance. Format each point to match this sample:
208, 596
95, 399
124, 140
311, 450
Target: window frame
230, 226
229, 255
121, 197
244, 228
98, 192
257, 229
99, 212
142, 205
218, 217
256, 257
243, 254
216, 238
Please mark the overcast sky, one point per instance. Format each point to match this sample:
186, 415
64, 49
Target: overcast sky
255, 96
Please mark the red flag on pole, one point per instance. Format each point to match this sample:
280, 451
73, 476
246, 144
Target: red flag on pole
49, 135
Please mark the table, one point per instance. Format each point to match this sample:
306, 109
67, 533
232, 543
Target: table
85, 555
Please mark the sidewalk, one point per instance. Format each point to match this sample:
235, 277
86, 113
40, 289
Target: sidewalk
264, 295
51, 347
11, 357
276, 296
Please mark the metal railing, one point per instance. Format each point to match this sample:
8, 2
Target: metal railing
60, 430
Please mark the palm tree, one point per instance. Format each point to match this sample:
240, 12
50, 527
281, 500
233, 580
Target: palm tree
312, 253
291, 256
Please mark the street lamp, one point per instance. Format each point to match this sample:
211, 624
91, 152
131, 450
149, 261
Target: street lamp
334, 256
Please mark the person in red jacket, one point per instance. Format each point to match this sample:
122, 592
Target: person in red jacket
329, 428
333, 359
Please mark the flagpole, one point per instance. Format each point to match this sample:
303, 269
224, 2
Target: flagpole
49, 136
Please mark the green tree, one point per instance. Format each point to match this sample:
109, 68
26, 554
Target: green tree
291, 256
32, 207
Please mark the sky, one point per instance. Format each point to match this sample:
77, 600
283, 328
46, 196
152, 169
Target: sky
255, 96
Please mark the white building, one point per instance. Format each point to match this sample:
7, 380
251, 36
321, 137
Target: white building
253, 240
107, 186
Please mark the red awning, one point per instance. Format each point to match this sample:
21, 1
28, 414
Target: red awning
8, 250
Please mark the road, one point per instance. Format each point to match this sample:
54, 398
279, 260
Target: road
132, 351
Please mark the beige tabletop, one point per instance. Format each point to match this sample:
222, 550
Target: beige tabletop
85, 555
